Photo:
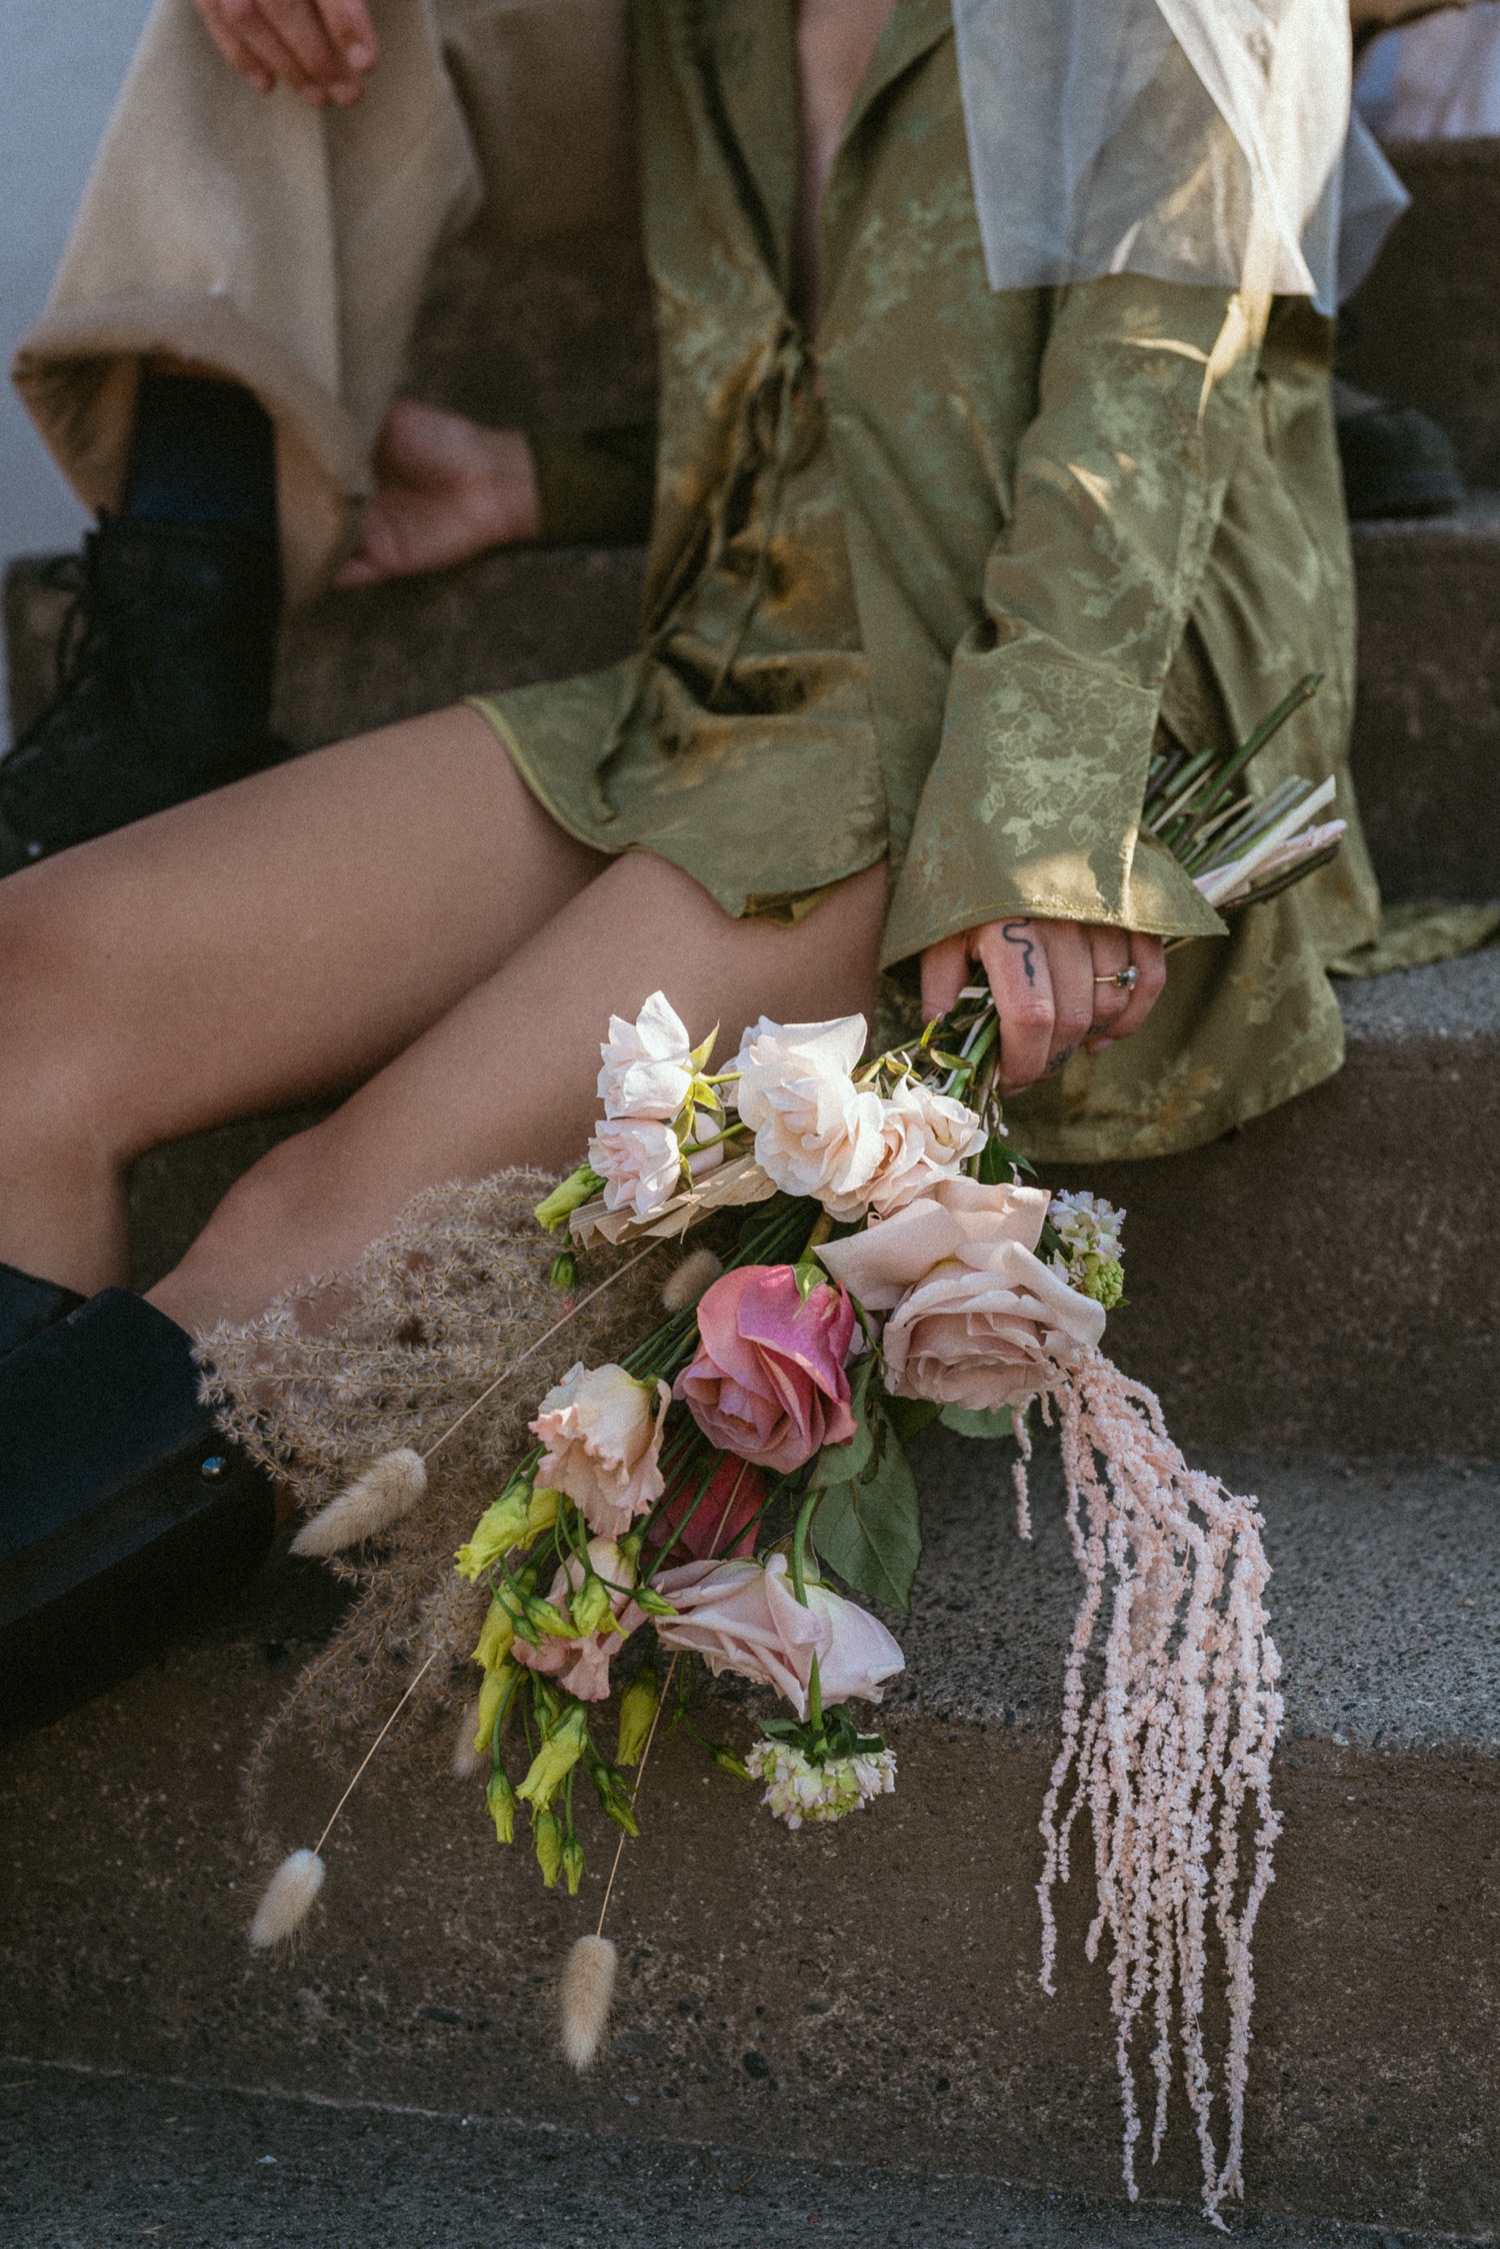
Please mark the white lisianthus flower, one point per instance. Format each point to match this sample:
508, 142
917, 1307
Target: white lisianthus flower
603, 1430
639, 1161
927, 1137
799, 1790
815, 1132
648, 1064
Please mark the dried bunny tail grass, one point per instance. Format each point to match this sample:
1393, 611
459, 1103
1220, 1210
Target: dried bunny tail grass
389, 1360
468, 1762
287, 1900
1173, 1746
389, 1488
688, 1281
586, 1996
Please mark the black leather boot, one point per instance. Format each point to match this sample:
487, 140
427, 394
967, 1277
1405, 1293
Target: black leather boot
164, 683
1396, 462
28, 1305
124, 1515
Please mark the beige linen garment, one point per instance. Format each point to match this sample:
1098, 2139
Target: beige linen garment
925, 589
289, 247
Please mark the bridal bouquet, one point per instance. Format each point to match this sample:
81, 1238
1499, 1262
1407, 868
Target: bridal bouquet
735, 1488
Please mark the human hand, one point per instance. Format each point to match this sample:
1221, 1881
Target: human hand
322, 49
445, 490
1052, 986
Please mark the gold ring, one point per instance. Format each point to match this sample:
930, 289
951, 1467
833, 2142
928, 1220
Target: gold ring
1123, 979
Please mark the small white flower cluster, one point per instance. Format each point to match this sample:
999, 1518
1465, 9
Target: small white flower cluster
799, 1790
1089, 1226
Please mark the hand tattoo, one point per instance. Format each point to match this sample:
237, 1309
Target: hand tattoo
1011, 931
1059, 1061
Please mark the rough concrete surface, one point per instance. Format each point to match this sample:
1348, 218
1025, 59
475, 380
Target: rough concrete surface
93, 2162
1426, 746
871, 1988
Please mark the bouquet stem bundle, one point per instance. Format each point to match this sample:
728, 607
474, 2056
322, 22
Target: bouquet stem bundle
739, 1478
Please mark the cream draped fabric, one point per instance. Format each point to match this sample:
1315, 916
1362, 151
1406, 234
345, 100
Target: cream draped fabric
1199, 141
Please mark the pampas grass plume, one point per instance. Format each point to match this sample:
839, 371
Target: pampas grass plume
385, 1492
289, 1898
468, 1761
588, 1990
686, 1282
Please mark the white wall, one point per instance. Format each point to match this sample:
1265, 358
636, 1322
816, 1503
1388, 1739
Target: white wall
61, 62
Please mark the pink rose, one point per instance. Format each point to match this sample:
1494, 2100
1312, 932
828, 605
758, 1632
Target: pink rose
581, 1667
976, 1319
721, 1522
744, 1618
768, 1382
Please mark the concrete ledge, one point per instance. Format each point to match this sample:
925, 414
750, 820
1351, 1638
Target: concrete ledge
883, 1973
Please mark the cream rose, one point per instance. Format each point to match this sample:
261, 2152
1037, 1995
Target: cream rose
976, 1317
603, 1432
925, 1137
648, 1064
815, 1132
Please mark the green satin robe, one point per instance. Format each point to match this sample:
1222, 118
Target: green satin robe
927, 589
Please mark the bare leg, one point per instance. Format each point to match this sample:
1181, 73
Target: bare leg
397, 910
273, 942
507, 1077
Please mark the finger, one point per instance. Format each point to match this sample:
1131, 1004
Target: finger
1070, 964
234, 50
1111, 953
945, 970
1015, 961
299, 26
1148, 959
348, 25
245, 21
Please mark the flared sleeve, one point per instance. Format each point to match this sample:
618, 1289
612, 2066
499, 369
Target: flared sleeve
1033, 803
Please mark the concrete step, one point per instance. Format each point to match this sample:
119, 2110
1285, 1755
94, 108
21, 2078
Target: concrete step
1321, 1277
869, 1989
1421, 330
199, 2168
1427, 733
1426, 751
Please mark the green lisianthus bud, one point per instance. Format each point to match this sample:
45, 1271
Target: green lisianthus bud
590, 1607
547, 1832
637, 1710
652, 1603
572, 1863
492, 1694
564, 1272
578, 1188
496, 1638
727, 1761
504, 1524
500, 1798
556, 1758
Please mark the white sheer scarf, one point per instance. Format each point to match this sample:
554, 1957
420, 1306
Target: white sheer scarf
1203, 141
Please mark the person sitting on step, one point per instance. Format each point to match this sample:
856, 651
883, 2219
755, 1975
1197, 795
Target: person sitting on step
977, 482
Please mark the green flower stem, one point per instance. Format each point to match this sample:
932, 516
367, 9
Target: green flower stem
799, 1544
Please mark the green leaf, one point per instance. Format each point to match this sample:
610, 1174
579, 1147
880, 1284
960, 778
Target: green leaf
975, 1422
908, 1415
998, 1166
836, 1464
869, 1526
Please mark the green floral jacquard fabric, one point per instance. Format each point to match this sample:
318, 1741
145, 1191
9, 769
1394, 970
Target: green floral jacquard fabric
927, 588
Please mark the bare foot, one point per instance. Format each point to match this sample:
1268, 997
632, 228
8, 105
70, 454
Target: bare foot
446, 489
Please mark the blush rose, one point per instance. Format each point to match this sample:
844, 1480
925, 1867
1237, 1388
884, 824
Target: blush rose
768, 1383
